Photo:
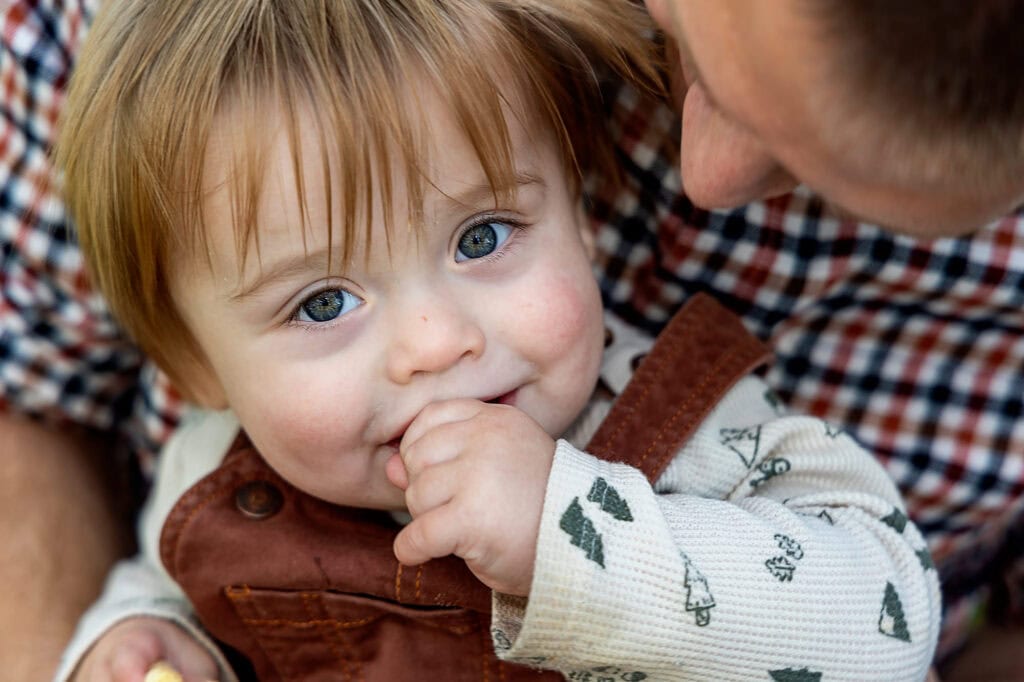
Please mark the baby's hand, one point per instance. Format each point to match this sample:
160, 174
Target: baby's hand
126, 651
477, 475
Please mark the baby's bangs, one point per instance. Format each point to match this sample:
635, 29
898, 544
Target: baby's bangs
361, 76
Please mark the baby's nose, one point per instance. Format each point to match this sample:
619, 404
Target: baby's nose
432, 339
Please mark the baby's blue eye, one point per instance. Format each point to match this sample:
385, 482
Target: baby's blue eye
327, 305
481, 240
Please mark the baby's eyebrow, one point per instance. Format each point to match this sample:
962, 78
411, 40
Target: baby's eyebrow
286, 268
482, 192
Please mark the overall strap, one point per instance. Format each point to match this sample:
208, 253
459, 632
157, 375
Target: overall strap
701, 354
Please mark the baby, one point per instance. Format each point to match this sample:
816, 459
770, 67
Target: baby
353, 234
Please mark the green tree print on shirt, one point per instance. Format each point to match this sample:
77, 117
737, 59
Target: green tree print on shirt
925, 557
790, 675
891, 621
582, 533
769, 469
897, 520
744, 442
781, 567
698, 595
609, 499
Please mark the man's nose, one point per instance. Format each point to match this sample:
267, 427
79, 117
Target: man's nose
431, 335
722, 164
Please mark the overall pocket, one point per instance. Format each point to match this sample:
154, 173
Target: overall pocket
321, 636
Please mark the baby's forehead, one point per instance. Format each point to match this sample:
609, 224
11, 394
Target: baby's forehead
269, 161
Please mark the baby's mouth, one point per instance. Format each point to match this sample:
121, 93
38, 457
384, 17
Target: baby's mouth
503, 399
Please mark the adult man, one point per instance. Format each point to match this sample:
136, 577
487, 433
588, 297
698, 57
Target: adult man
902, 114
914, 346
905, 115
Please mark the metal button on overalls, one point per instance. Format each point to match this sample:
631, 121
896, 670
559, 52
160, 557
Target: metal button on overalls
258, 499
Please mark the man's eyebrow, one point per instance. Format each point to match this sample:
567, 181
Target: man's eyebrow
286, 268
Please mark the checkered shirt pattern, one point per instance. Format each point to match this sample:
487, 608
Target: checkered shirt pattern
915, 347
62, 357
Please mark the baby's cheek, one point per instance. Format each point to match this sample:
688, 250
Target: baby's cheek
575, 320
295, 427
302, 454
567, 333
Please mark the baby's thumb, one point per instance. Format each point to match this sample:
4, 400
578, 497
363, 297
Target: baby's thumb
396, 473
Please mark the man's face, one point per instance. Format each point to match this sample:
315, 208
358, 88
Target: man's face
325, 367
752, 72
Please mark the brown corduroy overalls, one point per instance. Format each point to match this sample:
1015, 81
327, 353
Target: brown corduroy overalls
311, 591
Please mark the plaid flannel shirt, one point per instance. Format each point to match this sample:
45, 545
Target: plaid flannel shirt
62, 357
916, 347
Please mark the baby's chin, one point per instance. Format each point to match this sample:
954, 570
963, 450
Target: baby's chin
378, 495
371, 505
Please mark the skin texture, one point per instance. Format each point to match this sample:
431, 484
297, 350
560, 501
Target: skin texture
752, 127
61, 534
443, 374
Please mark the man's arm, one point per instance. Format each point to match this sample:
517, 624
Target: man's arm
60, 533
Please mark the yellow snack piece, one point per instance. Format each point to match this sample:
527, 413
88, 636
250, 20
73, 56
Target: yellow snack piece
162, 671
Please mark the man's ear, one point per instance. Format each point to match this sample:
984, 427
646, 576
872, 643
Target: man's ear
198, 383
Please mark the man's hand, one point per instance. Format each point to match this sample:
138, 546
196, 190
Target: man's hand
477, 474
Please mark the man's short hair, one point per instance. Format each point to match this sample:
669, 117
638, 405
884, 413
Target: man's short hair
944, 75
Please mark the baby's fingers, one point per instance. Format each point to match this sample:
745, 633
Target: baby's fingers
128, 664
127, 651
437, 414
190, 658
122, 654
162, 671
431, 536
432, 488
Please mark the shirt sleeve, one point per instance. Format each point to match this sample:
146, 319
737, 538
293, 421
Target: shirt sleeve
773, 547
141, 586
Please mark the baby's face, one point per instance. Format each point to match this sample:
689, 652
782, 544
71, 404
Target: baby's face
496, 303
